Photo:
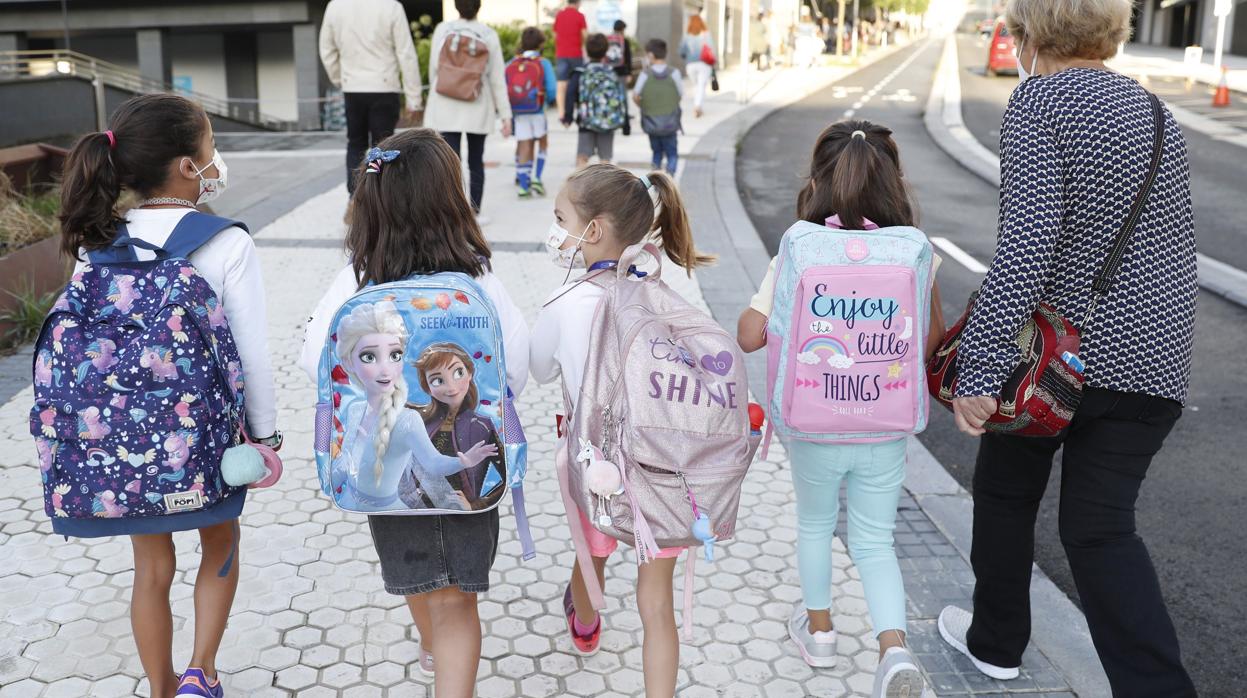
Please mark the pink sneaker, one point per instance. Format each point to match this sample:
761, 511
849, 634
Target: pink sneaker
585, 645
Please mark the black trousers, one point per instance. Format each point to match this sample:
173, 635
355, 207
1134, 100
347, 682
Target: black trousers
476, 163
370, 119
1107, 451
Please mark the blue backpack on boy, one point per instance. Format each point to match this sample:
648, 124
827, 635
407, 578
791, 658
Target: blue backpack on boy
414, 370
138, 385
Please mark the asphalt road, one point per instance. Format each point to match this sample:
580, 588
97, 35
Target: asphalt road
1191, 506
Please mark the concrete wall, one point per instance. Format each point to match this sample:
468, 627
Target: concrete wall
114, 48
200, 57
40, 109
275, 74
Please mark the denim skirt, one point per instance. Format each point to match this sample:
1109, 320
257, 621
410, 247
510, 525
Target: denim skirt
420, 554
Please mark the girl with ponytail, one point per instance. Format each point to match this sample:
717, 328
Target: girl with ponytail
602, 210
855, 183
160, 148
409, 215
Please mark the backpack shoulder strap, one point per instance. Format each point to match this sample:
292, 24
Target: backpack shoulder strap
194, 231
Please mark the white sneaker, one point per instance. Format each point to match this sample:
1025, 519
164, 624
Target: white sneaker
898, 675
954, 623
817, 648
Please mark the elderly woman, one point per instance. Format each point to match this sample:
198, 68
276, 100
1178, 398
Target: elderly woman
1076, 145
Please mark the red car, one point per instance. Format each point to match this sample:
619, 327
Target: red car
1000, 56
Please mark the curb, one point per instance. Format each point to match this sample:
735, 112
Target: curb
946, 127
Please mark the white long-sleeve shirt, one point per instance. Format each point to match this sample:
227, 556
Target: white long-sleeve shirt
366, 44
514, 329
560, 343
230, 265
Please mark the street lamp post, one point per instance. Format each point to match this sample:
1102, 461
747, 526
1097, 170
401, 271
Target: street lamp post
1221, 10
65, 23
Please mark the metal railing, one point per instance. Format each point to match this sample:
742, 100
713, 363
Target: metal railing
18, 65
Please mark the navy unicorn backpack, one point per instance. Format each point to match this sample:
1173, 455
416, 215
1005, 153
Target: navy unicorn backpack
138, 389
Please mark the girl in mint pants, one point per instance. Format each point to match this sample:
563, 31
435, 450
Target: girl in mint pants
855, 184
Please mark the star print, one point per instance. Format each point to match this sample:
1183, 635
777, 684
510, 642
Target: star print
894, 371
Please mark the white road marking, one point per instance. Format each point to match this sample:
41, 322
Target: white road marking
961, 256
881, 84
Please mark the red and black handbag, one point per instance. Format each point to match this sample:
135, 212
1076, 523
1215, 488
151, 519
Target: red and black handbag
1041, 395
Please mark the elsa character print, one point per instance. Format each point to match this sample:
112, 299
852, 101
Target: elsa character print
382, 439
447, 374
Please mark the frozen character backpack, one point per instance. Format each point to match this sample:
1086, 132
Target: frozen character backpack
615, 51
138, 386
660, 441
413, 413
601, 103
526, 85
845, 338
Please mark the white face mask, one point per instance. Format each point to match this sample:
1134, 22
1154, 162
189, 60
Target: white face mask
570, 258
1023, 73
211, 188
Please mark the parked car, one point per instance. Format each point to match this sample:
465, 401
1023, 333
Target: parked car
1000, 56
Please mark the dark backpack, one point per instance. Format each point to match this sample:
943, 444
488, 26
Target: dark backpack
138, 384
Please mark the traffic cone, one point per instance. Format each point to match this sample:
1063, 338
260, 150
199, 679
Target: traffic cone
1221, 98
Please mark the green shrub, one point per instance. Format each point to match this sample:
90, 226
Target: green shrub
26, 317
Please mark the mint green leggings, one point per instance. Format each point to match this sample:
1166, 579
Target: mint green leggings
873, 474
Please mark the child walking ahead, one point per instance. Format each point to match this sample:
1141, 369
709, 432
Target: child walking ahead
659, 90
602, 210
129, 322
531, 87
855, 184
596, 101
410, 216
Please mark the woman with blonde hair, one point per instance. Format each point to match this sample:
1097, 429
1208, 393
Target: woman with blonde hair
696, 39
1089, 160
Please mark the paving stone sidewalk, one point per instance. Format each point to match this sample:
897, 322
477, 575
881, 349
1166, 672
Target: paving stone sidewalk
311, 617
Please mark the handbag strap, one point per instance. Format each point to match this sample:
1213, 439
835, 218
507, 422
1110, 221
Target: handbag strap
1108, 274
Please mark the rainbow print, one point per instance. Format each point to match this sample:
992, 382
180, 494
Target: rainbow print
827, 342
818, 346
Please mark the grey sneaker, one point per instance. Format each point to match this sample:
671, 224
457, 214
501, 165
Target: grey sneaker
426, 662
954, 623
817, 648
898, 675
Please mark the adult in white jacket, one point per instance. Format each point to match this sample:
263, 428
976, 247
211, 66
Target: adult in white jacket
452, 117
365, 45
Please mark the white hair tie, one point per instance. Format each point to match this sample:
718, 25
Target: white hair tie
859, 134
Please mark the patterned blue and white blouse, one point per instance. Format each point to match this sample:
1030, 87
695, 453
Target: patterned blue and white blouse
1074, 150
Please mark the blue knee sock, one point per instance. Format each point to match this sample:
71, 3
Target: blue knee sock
524, 170
541, 163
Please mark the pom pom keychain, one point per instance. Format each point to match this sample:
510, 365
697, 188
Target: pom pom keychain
603, 479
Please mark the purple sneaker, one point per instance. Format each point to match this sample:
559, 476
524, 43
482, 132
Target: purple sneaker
194, 683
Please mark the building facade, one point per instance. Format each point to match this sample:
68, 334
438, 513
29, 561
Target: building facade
1182, 23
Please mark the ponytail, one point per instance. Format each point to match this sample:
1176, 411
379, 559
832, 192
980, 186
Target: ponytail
855, 173
611, 192
672, 226
90, 188
147, 133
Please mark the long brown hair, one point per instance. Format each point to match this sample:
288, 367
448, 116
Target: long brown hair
148, 132
611, 192
438, 356
412, 216
856, 177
